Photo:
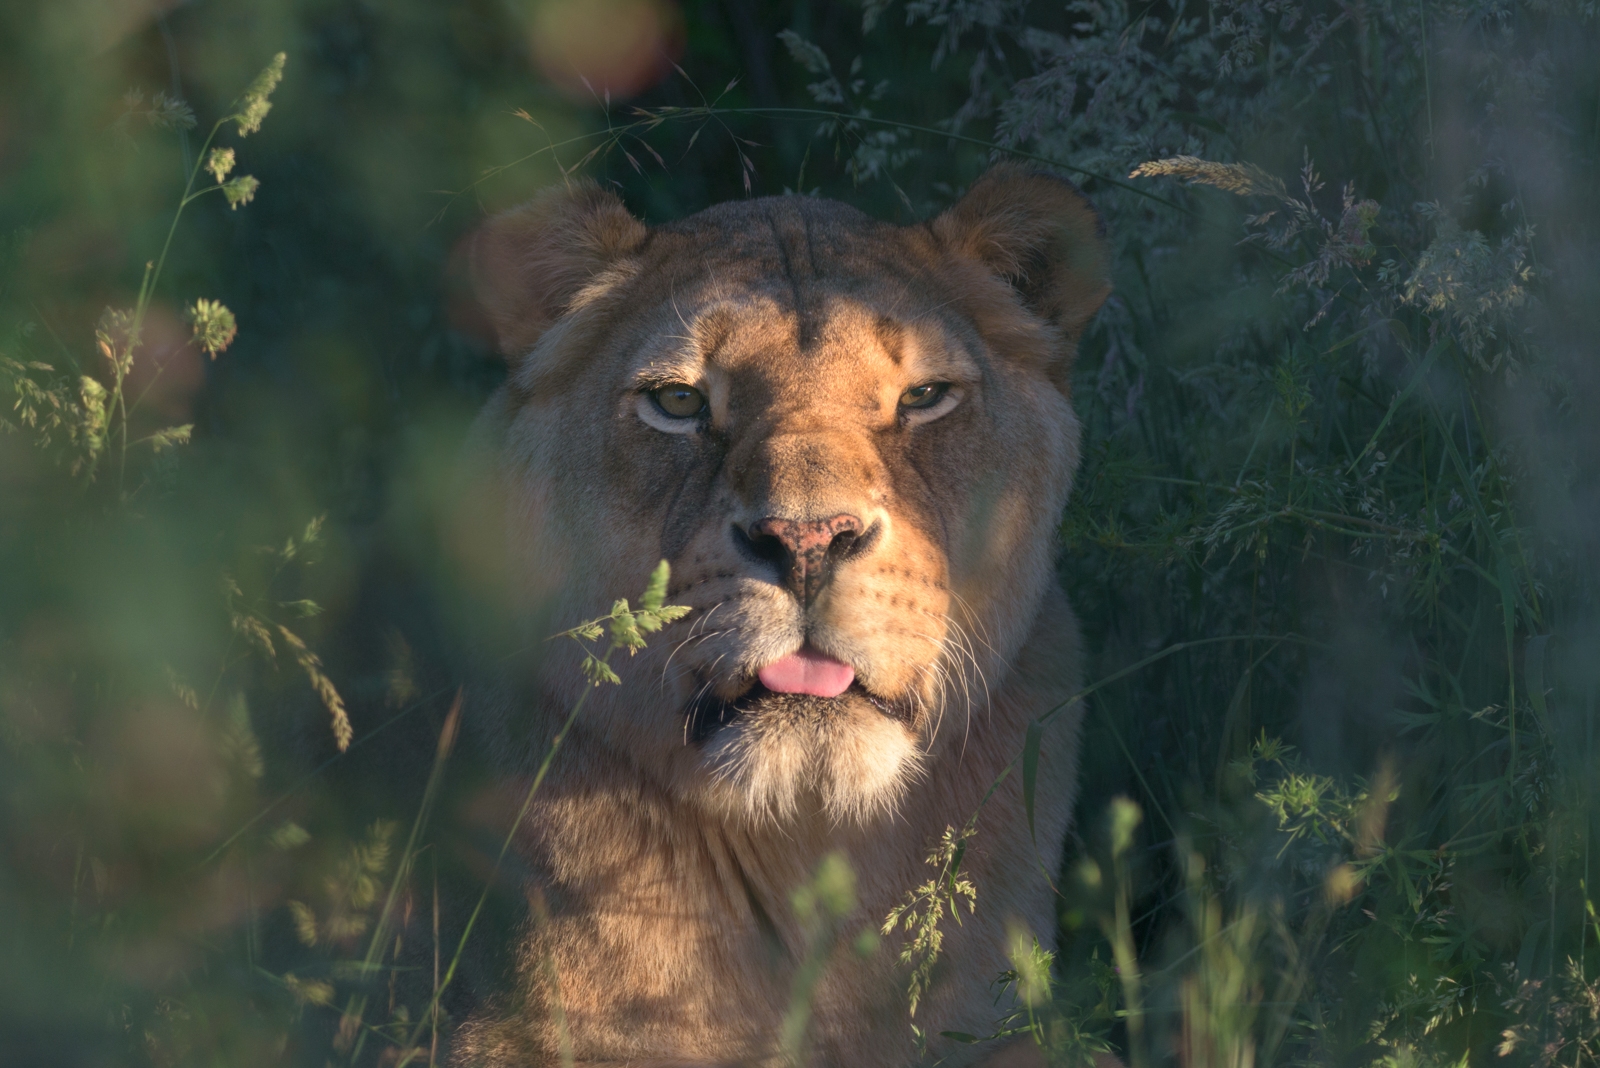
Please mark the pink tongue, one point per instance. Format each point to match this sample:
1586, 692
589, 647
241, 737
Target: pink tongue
808, 671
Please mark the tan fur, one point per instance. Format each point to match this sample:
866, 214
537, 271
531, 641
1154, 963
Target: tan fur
661, 864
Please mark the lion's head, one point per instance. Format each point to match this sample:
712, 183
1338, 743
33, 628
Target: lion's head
852, 440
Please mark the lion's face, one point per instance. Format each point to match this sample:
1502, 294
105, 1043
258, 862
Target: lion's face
849, 439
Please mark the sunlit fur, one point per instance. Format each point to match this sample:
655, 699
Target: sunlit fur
841, 757
666, 844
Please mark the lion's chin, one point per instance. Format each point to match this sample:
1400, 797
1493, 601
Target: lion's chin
708, 713
774, 757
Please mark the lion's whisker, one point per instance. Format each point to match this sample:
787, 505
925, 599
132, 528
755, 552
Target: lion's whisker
975, 620
977, 667
694, 638
705, 688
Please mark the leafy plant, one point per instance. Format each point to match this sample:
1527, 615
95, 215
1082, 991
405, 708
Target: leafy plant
98, 419
919, 916
626, 627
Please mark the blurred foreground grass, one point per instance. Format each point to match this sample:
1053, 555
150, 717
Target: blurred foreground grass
1334, 544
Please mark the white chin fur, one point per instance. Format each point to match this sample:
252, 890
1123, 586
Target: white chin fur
853, 767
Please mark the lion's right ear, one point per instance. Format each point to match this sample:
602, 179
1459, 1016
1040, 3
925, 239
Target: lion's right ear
1041, 235
529, 264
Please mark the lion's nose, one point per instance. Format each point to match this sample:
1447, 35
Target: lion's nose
805, 549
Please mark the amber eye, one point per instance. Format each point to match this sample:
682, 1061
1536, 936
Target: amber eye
678, 400
925, 396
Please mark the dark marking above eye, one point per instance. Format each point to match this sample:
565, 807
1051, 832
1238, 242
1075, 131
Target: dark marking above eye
891, 335
711, 332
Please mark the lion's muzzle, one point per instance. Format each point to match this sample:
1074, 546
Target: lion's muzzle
805, 550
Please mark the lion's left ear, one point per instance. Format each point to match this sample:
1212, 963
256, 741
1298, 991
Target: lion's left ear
1038, 233
529, 264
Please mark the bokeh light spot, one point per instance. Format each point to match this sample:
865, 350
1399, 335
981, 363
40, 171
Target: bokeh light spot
604, 47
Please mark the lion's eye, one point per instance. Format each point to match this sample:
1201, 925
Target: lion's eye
925, 396
679, 401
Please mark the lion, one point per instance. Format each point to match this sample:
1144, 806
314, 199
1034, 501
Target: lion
853, 441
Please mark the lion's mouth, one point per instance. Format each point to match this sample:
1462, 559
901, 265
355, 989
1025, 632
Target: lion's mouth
707, 713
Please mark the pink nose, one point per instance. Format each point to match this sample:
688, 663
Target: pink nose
804, 549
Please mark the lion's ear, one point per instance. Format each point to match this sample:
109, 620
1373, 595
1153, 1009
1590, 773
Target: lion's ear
530, 262
1038, 233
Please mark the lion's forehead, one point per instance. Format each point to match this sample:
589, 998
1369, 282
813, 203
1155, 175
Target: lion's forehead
845, 337
796, 292
799, 236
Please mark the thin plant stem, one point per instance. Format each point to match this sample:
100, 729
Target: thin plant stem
410, 1051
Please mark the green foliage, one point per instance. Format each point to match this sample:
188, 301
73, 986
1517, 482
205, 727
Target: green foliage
626, 627
99, 420
824, 905
252, 107
349, 892
256, 621
1557, 1020
89, 727
919, 916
